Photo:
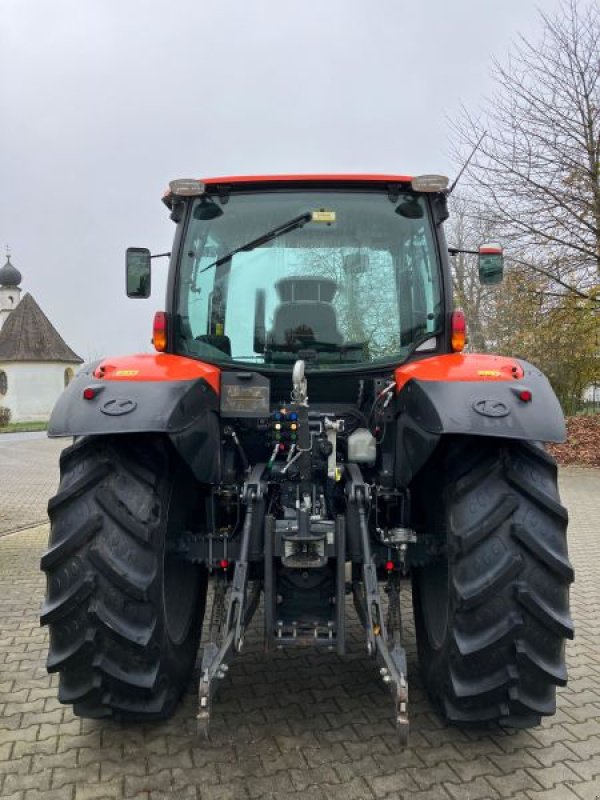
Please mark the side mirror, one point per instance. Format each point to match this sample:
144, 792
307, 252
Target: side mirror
491, 263
137, 270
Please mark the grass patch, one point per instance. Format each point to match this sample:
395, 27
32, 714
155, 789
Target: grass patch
23, 427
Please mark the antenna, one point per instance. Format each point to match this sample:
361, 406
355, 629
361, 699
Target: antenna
466, 164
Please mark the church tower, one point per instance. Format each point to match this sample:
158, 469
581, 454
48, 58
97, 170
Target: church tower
10, 291
36, 363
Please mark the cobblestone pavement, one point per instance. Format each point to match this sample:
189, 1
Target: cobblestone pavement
28, 477
302, 726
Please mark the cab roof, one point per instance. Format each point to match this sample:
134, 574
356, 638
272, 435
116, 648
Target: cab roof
230, 180
312, 178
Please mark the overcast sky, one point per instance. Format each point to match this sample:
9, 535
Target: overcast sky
102, 102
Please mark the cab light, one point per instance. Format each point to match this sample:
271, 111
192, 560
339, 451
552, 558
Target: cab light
186, 187
458, 331
159, 331
429, 183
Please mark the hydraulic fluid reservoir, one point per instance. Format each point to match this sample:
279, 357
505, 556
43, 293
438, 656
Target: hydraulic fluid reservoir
362, 448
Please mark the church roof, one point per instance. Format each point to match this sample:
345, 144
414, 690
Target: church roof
9, 274
28, 335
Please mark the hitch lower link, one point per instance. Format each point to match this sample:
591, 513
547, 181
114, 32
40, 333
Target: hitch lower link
230, 614
233, 607
383, 637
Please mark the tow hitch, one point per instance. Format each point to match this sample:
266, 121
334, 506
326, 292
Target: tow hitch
234, 604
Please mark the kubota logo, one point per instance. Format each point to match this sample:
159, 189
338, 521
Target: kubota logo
491, 408
118, 406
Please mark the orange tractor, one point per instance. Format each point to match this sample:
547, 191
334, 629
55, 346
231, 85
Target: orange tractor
308, 429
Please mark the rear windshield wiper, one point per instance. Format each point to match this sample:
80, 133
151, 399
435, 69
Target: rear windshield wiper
285, 227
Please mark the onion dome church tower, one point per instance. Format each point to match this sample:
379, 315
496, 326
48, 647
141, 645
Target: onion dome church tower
35, 362
10, 291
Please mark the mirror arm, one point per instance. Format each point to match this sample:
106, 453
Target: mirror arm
454, 251
161, 255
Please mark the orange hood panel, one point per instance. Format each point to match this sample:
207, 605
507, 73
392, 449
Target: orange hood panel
460, 367
157, 367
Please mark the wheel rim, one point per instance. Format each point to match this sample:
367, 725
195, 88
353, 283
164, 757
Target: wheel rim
180, 578
180, 597
435, 601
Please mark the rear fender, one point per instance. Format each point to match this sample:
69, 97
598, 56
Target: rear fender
160, 393
474, 395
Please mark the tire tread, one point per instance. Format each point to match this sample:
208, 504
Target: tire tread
503, 653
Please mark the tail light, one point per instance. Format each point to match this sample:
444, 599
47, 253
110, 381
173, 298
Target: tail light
458, 331
159, 331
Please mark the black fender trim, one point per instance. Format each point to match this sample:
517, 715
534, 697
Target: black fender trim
427, 410
186, 411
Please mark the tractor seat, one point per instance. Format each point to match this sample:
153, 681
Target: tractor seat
304, 324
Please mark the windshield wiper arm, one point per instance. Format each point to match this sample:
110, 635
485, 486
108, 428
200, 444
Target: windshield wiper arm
274, 233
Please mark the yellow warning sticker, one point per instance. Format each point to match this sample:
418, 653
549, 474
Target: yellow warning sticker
323, 216
489, 373
126, 373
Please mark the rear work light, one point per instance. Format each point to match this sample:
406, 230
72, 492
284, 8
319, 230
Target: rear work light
186, 187
159, 331
458, 331
429, 183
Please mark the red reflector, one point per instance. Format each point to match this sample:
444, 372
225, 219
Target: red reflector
159, 331
89, 394
389, 565
525, 396
458, 331
282, 447
224, 563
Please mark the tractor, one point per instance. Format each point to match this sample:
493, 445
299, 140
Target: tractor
309, 429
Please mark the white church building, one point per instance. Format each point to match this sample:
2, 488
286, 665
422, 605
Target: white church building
35, 362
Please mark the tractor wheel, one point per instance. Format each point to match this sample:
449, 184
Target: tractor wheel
125, 613
492, 618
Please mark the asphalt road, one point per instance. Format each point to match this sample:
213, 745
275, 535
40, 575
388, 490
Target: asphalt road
28, 478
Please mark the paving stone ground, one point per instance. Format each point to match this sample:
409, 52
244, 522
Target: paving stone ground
28, 476
296, 725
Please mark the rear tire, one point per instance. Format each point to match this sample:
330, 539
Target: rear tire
492, 619
124, 613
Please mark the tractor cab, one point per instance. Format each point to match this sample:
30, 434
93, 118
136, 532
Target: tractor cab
343, 273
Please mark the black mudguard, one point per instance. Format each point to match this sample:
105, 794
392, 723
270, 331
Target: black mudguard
186, 411
427, 410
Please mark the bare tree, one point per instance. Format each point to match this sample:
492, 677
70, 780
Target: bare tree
468, 227
538, 169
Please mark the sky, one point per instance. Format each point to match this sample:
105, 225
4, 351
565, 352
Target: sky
102, 102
